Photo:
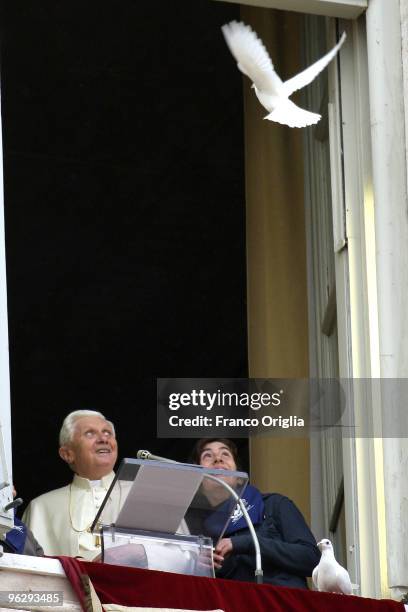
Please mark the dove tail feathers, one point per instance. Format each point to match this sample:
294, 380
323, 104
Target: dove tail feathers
292, 115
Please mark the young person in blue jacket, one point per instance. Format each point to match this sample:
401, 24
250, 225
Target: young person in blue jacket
288, 548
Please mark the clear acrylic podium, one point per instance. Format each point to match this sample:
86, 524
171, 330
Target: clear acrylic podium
170, 517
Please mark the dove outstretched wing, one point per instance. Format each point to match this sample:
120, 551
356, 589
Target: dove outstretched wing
252, 57
306, 76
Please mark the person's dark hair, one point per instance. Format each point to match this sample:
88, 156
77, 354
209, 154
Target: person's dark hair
202, 443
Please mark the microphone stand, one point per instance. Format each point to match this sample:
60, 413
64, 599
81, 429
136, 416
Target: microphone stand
143, 454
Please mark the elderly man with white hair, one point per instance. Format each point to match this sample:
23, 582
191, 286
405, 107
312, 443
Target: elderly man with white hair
61, 519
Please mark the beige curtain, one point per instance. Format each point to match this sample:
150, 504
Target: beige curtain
276, 255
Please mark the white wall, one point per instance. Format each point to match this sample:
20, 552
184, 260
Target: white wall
4, 350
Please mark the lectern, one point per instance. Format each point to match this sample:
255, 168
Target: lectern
170, 516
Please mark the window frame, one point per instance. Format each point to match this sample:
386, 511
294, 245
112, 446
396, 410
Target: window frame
357, 313
347, 9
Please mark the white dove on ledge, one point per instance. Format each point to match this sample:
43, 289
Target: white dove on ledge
329, 575
254, 61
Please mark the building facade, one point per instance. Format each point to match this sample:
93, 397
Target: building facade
327, 234
327, 276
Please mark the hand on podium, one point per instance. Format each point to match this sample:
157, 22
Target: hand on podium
218, 560
224, 548
206, 561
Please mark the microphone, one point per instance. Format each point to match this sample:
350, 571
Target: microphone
147, 455
14, 504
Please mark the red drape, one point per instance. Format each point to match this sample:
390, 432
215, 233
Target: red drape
136, 587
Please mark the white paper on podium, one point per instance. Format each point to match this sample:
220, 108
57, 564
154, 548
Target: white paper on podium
159, 498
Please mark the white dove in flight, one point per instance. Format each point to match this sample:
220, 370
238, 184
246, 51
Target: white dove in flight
254, 61
329, 575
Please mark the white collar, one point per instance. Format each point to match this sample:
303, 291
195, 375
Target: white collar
85, 483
